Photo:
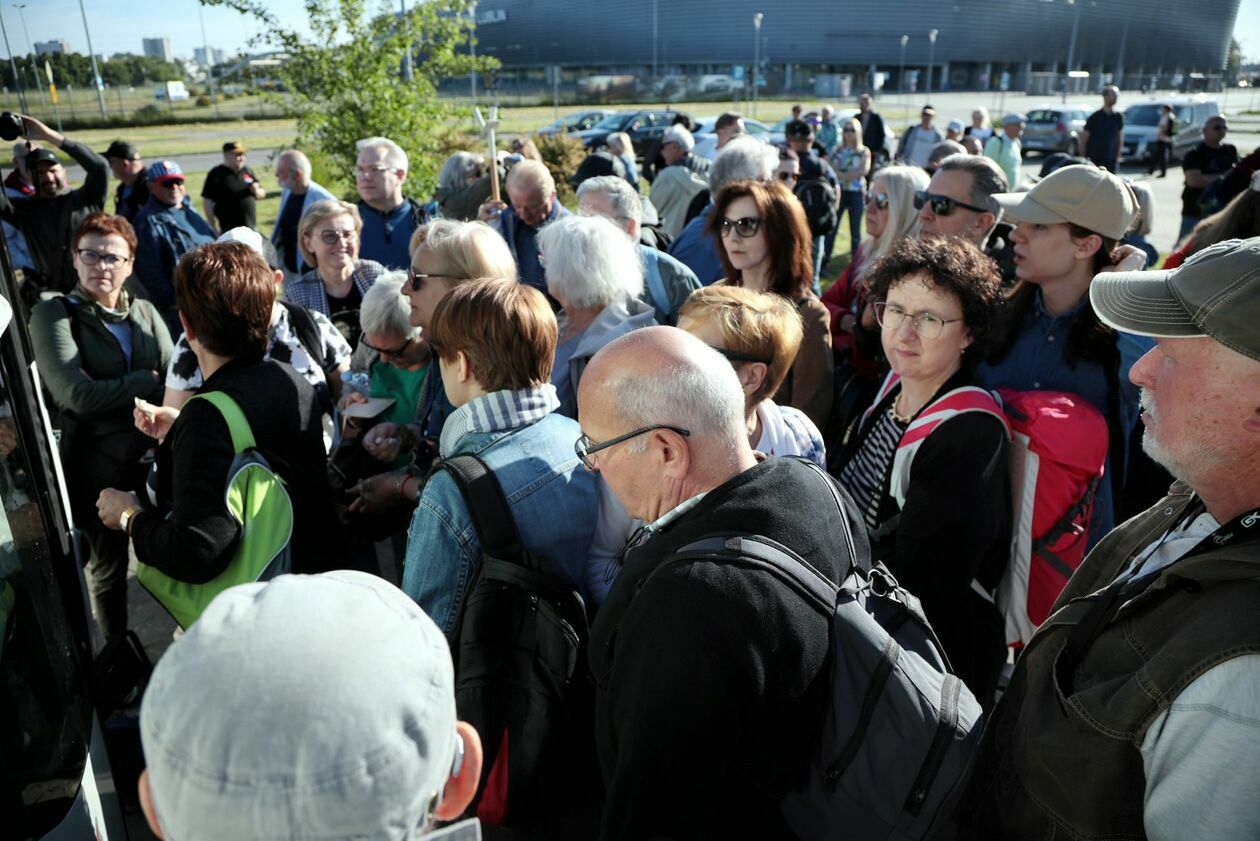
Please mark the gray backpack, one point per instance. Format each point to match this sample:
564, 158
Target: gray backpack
899, 730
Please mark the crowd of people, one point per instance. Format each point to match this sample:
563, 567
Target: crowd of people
997, 390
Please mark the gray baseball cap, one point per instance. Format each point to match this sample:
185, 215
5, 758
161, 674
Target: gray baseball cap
1215, 293
309, 706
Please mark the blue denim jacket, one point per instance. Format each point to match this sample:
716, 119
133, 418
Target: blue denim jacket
1036, 362
552, 497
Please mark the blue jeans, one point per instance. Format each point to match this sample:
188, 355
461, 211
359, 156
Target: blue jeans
1187, 225
819, 246
853, 201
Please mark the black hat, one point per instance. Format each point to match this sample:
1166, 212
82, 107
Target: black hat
41, 156
797, 128
122, 149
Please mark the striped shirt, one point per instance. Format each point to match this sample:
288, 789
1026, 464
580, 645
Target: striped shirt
496, 412
865, 473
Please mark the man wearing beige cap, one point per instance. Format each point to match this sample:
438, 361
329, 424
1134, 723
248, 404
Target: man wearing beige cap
231, 191
1134, 712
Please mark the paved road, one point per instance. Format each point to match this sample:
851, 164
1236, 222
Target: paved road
193, 164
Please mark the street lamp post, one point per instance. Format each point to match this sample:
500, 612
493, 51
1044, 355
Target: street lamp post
17, 80
756, 58
30, 52
654, 36
205, 47
901, 70
472, 51
931, 60
1067, 71
96, 73
407, 72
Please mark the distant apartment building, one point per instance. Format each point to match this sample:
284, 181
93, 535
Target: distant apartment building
202, 59
158, 48
53, 47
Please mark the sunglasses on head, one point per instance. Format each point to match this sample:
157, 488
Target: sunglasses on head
743, 228
941, 205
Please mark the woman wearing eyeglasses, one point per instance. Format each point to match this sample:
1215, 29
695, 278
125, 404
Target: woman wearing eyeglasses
98, 350
328, 237
928, 466
765, 246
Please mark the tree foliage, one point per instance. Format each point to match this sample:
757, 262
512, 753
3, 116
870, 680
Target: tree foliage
346, 81
1233, 60
75, 69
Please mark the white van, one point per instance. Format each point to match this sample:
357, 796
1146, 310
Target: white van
173, 91
1141, 123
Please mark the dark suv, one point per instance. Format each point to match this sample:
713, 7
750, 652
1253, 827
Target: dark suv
642, 126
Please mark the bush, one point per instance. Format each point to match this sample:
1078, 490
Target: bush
203, 101
563, 154
149, 114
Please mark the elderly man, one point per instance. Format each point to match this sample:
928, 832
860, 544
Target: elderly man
1004, 148
667, 281
49, 218
1133, 712
229, 730
231, 191
167, 228
297, 193
389, 218
959, 203
744, 158
532, 192
718, 663
677, 183
128, 167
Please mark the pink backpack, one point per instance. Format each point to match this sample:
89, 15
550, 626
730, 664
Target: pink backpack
1057, 458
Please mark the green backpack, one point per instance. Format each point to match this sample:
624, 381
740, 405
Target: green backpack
257, 498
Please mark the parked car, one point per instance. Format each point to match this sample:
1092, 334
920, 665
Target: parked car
1141, 123
706, 140
1053, 128
577, 121
642, 126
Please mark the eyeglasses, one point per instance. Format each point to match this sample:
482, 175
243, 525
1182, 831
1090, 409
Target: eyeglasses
90, 258
849, 130
928, 325
880, 200
330, 237
371, 171
788, 176
584, 447
415, 278
399, 351
743, 228
942, 205
736, 356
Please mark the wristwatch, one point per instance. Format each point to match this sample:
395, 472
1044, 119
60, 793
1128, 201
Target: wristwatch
124, 519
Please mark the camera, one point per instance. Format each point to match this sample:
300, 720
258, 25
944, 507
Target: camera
11, 127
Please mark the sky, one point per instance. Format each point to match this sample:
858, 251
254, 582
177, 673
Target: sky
117, 27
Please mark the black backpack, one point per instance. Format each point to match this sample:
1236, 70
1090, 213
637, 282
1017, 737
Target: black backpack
521, 674
818, 197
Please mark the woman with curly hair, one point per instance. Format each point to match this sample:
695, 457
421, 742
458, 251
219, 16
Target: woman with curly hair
928, 466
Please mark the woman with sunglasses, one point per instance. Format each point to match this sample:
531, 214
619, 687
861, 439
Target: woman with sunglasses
851, 160
328, 237
928, 465
1067, 230
765, 245
99, 350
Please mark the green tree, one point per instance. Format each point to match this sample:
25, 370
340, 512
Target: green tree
1233, 61
347, 80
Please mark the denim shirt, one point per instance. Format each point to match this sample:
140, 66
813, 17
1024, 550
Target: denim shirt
529, 448
1036, 362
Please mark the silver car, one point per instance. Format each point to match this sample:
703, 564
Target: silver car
1053, 129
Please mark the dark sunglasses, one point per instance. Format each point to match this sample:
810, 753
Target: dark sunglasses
399, 351
880, 200
415, 278
942, 205
743, 228
736, 356
788, 176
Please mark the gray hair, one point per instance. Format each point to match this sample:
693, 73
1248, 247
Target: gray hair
454, 174
625, 202
299, 160
703, 397
987, 179
591, 263
531, 173
394, 155
679, 134
385, 309
744, 158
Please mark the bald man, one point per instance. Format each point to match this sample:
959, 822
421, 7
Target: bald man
718, 676
531, 189
297, 193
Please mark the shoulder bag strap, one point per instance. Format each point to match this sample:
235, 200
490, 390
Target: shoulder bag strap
238, 426
484, 498
767, 554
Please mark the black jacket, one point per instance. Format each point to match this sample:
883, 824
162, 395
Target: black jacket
49, 224
712, 679
195, 542
127, 205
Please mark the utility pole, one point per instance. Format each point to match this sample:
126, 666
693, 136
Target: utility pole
209, 56
931, 60
30, 52
1067, 71
901, 72
407, 67
17, 80
96, 73
756, 80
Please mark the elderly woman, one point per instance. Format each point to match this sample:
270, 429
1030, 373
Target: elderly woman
594, 272
444, 254
495, 339
766, 246
98, 350
463, 184
225, 292
328, 236
937, 504
623, 149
